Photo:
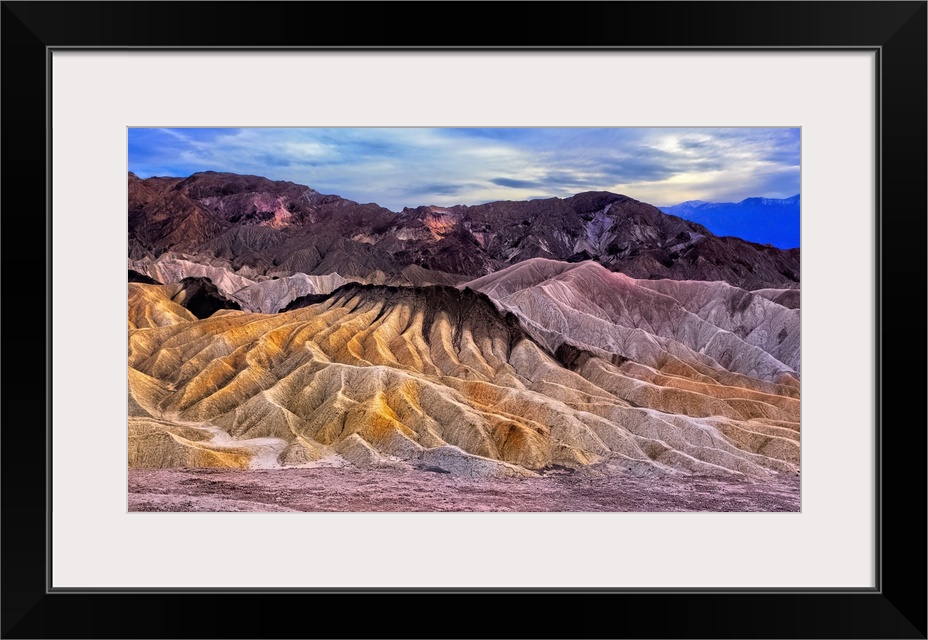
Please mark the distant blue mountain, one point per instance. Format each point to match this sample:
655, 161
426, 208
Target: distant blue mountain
763, 220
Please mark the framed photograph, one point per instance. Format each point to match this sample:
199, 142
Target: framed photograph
844, 84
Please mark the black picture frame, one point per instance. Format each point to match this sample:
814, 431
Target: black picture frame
895, 608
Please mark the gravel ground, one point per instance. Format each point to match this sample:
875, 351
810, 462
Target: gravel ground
404, 489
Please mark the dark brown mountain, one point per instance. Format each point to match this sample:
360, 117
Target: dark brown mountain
619, 232
282, 226
162, 218
252, 200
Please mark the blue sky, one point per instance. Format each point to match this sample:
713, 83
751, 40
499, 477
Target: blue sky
409, 167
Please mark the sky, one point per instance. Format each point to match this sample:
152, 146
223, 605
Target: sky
410, 167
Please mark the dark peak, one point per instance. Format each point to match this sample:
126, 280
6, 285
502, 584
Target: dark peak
598, 199
592, 202
204, 184
305, 301
202, 298
135, 276
198, 281
465, 308
454, 301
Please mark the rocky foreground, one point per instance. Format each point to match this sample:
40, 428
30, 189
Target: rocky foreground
392, 490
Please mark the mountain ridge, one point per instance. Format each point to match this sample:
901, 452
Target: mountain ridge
772, 221
275, 226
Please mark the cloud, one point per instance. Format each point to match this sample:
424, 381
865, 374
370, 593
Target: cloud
441, 189
400, 167
516, 184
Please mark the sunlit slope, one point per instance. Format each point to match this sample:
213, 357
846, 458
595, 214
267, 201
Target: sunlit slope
711, 327
150, 305
252, 290
271, 292
756, 319
436, 377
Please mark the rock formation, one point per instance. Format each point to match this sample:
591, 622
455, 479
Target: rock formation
386, 375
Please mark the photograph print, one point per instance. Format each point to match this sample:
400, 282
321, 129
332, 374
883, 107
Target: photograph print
464, 319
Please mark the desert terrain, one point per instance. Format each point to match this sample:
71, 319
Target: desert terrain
290, 350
